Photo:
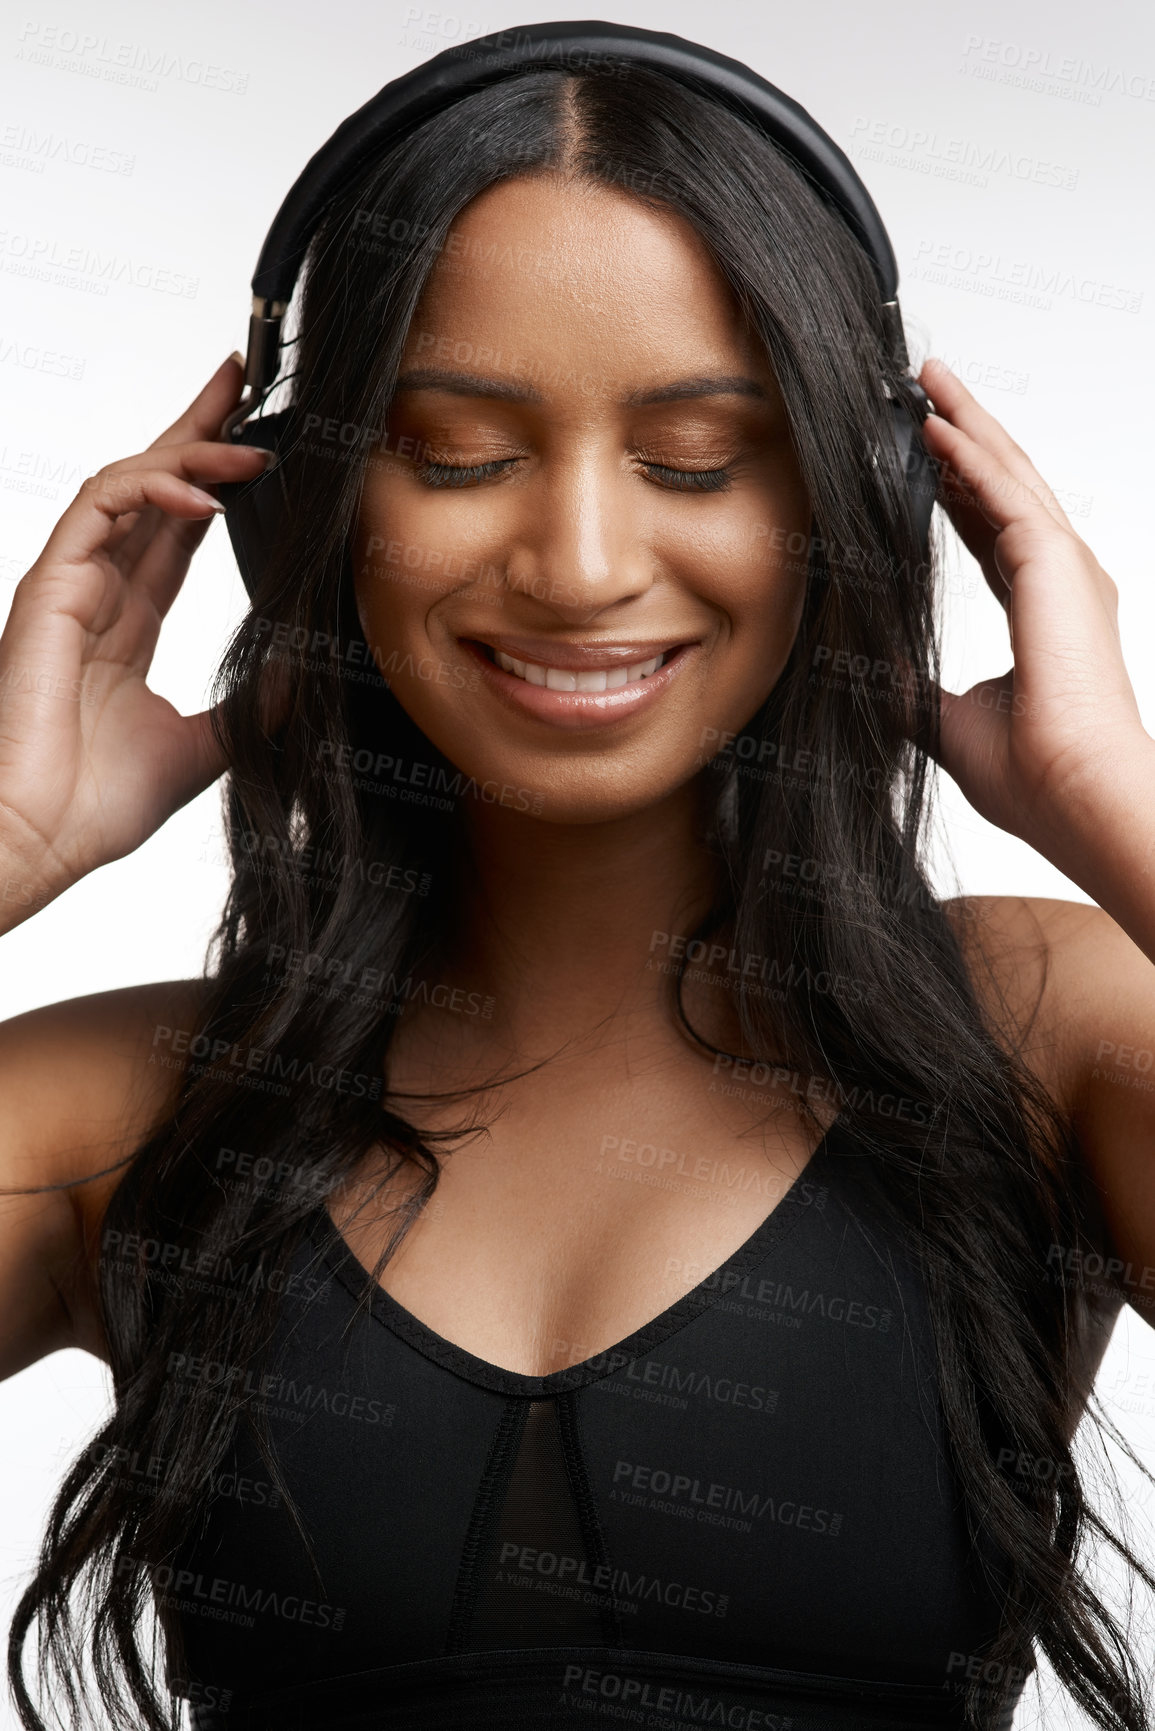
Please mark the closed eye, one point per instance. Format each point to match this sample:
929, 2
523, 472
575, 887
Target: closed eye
683, 480
454, 475
691, 480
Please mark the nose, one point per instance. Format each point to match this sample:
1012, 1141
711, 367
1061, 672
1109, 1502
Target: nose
582, 542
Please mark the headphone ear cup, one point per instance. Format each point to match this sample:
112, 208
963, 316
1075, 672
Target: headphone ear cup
254, 510
918, 467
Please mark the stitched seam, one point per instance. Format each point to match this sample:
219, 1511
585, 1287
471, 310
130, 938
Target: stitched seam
573, 1454
487, 1507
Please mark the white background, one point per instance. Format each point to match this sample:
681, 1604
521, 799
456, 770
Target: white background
211, 142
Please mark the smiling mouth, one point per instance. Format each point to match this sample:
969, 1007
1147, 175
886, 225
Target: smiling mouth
570, 679
593, 679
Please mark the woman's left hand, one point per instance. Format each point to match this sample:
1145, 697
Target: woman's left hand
1053, 746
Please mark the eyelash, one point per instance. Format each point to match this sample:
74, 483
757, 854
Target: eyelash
688, 480
450, 475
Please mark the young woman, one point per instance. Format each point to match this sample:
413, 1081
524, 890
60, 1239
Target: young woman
725, 1364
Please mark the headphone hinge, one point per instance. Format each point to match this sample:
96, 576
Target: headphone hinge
261, 361
896, 352
264, 343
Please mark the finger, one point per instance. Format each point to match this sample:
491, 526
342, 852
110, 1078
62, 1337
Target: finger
971, 729
161, 566
203, 417
201, 760
918, 728
974, 531
202, 462
83, 530
1002, 496
954, 403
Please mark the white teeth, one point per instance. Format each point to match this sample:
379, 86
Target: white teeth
565, 679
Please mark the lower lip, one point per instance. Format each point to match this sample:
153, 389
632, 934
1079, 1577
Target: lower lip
579, 709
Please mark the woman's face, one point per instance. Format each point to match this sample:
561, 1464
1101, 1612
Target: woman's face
638, 495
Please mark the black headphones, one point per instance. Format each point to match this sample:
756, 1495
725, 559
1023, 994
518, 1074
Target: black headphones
253, 508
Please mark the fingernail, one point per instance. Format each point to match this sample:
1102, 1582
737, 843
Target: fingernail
238, 357
206, 499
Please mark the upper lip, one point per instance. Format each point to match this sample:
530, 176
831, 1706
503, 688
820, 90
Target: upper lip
577, 656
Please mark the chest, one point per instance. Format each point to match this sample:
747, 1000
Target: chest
594, 1199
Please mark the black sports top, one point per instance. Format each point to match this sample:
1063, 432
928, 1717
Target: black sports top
742, 1515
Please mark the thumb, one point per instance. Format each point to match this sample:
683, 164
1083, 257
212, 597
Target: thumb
973, 723
202, 758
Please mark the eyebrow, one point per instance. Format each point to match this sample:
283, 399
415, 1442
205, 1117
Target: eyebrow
475, 385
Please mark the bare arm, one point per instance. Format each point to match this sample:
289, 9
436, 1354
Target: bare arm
78, 1095
92, 761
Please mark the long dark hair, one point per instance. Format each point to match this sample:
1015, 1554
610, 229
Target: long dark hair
336, 859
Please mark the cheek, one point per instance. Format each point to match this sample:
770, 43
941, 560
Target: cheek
397, 578
754, 572
399, 581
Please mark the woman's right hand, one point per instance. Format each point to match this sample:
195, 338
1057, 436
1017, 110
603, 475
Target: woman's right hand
91, 760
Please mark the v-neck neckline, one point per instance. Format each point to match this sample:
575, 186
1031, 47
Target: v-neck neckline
353, 1275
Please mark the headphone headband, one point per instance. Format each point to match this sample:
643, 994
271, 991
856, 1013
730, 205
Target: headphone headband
402, 104
405, 102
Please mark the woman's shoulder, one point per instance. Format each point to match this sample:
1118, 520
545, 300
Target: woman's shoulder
82, 1083
1060, 978
1076, 994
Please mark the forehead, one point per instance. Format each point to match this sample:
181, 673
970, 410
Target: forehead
541, 263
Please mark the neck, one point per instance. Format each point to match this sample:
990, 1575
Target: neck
565, 926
